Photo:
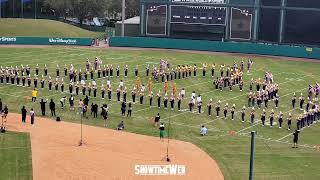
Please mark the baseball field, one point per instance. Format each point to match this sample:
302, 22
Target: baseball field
227, 141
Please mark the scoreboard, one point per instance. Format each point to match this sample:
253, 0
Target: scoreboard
198, 19
199, 1
206, 15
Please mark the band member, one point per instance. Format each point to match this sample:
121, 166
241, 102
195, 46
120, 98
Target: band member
159, 99
209, 107
222, 69
111, 71
293, 101
118, 94
37, 69
29, 81
147, 70
77, 88
126, 71
204, 69
250, 98
271, 118
243, 113
179, 98
142, 94
71, 87
301, 98
94, 91
65, 70
84, 88
165, 101
276, 101
42, 82
109, 93
263, 117
133, 95
289, 119
280, 119
149, 85
166, 86
194, 70
295, 138
118, 71
136, 71
57, 70
218, 108
103, 90
232, 111
252, 115
225, 111
62, 86
45, 70
35, 81
124, 94
172, 101
150, 98
213, 66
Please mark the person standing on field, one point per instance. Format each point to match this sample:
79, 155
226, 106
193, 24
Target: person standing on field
32, 116
43, 107
52, 106
23, 114
34, 94
295, 138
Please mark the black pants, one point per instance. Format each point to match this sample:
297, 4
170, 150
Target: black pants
23, 119
129, 113
43, 111
33, 99
53, 112
95, 114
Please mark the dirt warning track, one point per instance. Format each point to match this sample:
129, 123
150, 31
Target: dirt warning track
107, 154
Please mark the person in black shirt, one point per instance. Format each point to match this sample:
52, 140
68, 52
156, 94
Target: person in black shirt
295, 138
52, 106
43, 107
129, 109
5, 113
95, 111
23, 114
86, 101
123, 108
157, 119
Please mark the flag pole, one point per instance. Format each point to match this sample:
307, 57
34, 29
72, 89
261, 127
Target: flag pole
35, 9
0, 9
13, 9
21, 8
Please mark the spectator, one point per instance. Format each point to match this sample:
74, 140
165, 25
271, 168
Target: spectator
203, 130
23, 114
43, 107
52, 106
120, 126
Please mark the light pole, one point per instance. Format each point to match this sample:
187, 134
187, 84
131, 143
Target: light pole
81, 141
253, 137
123, 16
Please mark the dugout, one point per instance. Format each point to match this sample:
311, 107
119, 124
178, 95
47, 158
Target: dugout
131, 27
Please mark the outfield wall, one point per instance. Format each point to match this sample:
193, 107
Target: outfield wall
46, 41
202, 45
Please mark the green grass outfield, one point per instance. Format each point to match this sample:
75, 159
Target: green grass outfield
15, 156
42, 28
274, 158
